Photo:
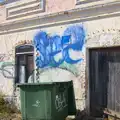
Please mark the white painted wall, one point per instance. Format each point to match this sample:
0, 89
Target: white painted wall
104, 32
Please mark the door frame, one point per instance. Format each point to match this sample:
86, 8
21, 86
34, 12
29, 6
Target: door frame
87, 72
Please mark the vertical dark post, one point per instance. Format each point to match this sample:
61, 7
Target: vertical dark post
87, 89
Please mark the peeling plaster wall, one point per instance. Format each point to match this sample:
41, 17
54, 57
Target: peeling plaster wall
2, 14
51, 6
98, 33
104, 33
59, 5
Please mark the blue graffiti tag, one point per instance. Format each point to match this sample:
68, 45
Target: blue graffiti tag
50, 46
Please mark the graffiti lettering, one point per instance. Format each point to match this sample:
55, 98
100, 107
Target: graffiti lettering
7, 69
37, 104
60, 102
52, 47
4, 57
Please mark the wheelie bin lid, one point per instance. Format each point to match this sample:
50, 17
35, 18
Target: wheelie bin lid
41, 83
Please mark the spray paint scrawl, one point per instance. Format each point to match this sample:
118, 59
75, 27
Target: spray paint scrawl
49, 47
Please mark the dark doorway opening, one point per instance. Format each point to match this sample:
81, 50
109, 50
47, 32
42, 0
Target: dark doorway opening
24, 63
104, 80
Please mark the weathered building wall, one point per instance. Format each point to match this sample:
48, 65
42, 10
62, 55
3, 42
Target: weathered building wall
53, 6
66, 45
34, 8
12, 7
62, 45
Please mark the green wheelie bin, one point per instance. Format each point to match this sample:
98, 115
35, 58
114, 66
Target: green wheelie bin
47, 101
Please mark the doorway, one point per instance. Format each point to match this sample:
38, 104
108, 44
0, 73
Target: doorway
24, 63
104, 80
